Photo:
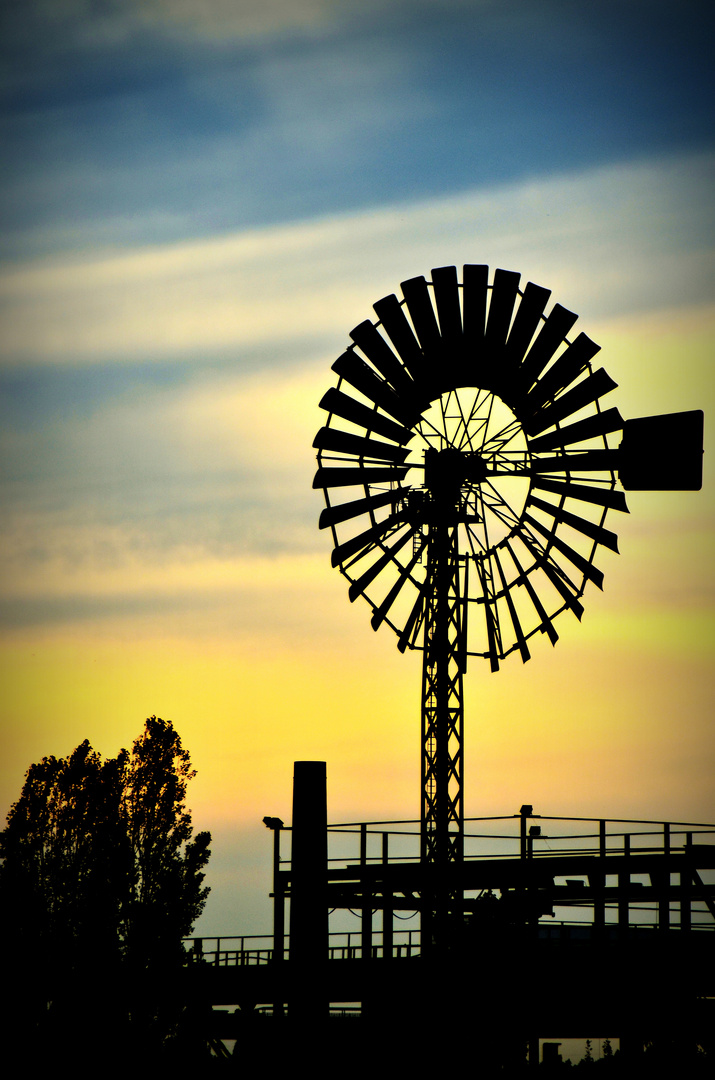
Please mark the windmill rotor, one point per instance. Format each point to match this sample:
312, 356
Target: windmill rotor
467, 406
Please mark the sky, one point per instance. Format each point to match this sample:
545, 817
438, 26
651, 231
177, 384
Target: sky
198, 202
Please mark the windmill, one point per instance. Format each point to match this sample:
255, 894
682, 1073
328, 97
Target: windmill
467, 475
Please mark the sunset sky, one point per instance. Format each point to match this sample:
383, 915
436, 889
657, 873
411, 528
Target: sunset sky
199, 201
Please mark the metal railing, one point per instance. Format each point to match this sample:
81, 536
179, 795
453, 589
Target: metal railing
488, 839
222, 952
399, 841
343, 945
347, 945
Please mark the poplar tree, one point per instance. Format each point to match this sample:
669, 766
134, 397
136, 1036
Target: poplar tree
100, 879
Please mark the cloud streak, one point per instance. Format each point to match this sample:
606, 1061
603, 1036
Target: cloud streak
132, 124
622, 238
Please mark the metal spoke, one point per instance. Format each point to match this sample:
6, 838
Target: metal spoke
474, 424
501, 439
486, 423
499, 498
465, 425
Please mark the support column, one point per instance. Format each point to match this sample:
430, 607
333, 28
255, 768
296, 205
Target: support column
442, 723
366, 911
686, 888
387, 908
597, 881
308, 906
624, 887
664, 884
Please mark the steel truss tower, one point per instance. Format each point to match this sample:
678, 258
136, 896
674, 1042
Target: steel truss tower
442, 703
442, 825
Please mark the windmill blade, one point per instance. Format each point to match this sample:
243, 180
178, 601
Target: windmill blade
378, 566
490, 618
592, 388
613, 500
590, 428
419, 305
464, 620
335, 401
520, 639
368, 338
475, 290
588, 461
350, 367
475, 284
547, 625
595, 532
381, 612
491, 624
501, 305
445, 286
558, 578
526, 323
414, 620
343, 442
389, 312
361, 476
562, 372
552, 333
454, 368
365, 539
587, 569
333, 515
564, 586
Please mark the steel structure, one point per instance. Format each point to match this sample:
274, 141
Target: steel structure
569, 927
467, 476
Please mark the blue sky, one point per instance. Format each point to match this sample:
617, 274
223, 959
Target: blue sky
199, 201
153, 121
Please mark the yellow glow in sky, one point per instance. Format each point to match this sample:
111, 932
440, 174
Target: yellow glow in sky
162, 554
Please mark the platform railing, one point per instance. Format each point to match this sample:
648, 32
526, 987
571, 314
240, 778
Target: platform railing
511, 837
347, 945
486, 838
543, 837
243, 950
231, 950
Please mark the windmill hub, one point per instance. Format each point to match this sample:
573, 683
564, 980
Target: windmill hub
476, 468
447, 470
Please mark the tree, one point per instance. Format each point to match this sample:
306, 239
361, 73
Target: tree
167, 893
100, 879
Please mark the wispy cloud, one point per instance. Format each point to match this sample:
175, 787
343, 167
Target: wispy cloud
615, 239
118, 21
217, 19
214, 21
126, 123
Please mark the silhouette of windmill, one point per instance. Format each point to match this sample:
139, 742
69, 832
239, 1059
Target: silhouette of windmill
467, 476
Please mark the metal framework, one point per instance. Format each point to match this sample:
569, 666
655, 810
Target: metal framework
614, 921
442, 704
